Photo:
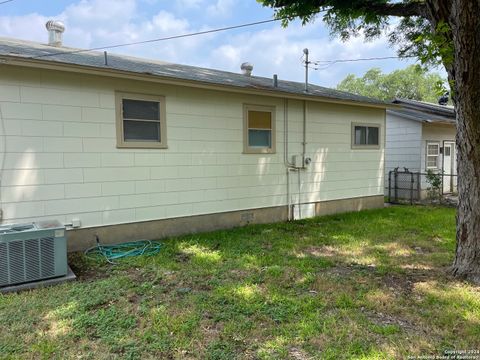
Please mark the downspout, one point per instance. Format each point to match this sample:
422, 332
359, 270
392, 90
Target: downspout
304, 153
304, 143
288, 165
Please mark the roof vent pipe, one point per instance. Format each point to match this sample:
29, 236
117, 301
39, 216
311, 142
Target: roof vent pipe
275, 80
247, 69
55, 30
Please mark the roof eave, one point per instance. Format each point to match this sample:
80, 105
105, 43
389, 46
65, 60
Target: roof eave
105, 72
427, 121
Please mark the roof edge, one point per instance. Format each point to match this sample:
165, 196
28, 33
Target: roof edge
115, 73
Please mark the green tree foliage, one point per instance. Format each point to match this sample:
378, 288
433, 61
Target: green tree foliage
436, 32
413, 82
411, 32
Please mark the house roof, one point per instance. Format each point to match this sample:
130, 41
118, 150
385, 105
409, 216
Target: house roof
424, 112
35, 54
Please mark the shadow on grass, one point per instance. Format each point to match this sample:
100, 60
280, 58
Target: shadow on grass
368, 284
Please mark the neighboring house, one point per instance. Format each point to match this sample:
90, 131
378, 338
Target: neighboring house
421, 136
129, 149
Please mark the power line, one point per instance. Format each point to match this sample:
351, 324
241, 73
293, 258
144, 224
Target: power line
6, 1
325, 64
160, 39
172, 37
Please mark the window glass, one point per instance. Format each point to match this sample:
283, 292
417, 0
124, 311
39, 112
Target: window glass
433, 152
372, 136
139, 109
259, 129
141, 121
432, 149
366, 135
431, 161
259, 120
260, 138
134, 130
360, 135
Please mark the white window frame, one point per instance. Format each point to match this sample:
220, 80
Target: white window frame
121, 143
247, 149
366, 146
437, 156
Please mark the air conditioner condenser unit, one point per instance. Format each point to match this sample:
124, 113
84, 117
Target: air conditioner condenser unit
32, 252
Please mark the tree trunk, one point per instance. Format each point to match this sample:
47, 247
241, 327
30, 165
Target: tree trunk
463, 16
466, 36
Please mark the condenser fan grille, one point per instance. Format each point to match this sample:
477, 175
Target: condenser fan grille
27, 260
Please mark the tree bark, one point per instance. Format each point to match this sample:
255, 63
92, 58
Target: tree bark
463, 16
466, 37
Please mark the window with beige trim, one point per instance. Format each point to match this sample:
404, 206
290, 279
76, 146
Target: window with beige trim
259, 129
433, 154
365, 136
141, 121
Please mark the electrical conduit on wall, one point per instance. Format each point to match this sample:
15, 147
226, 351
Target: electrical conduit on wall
291, 166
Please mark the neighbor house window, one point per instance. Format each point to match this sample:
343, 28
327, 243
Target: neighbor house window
365, 136
433, 153
140, 121
259, 129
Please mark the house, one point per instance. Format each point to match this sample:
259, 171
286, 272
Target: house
421, 137
126, 148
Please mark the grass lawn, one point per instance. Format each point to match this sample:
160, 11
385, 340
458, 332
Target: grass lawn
369, 285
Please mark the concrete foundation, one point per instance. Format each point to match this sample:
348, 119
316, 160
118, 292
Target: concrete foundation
81, 239
347, 205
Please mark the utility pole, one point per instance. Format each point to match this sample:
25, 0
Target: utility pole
305, 51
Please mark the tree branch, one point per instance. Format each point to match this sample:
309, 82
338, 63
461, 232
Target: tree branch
416, 8
402, 9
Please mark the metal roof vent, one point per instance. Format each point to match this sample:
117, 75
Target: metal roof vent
55, 30
247, 69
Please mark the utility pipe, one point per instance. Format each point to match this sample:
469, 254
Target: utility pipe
304, 143
289, 166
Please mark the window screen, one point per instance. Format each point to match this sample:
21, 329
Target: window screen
366, 135
141, 120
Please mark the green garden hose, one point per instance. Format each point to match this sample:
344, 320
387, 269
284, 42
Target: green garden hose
128, 249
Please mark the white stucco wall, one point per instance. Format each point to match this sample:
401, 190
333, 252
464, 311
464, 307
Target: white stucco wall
61, 158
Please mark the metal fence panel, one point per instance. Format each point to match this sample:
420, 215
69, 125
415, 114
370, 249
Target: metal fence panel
405, 186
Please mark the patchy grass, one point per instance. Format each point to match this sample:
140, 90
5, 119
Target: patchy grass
369, 285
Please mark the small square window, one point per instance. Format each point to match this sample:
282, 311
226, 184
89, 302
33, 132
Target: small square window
259, 129
141, 121
365, 136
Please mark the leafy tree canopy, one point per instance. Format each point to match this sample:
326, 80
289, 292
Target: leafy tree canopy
411, 32
413, 83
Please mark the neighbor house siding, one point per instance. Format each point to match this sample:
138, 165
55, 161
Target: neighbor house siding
62, 161
436, 133
403, 145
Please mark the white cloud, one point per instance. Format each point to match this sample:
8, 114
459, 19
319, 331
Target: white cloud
189, 4
271, 48
279, 50
21, 27
222, 8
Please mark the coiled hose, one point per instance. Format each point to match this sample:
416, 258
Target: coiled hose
124, 250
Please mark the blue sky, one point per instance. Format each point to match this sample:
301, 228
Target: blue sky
271, 48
